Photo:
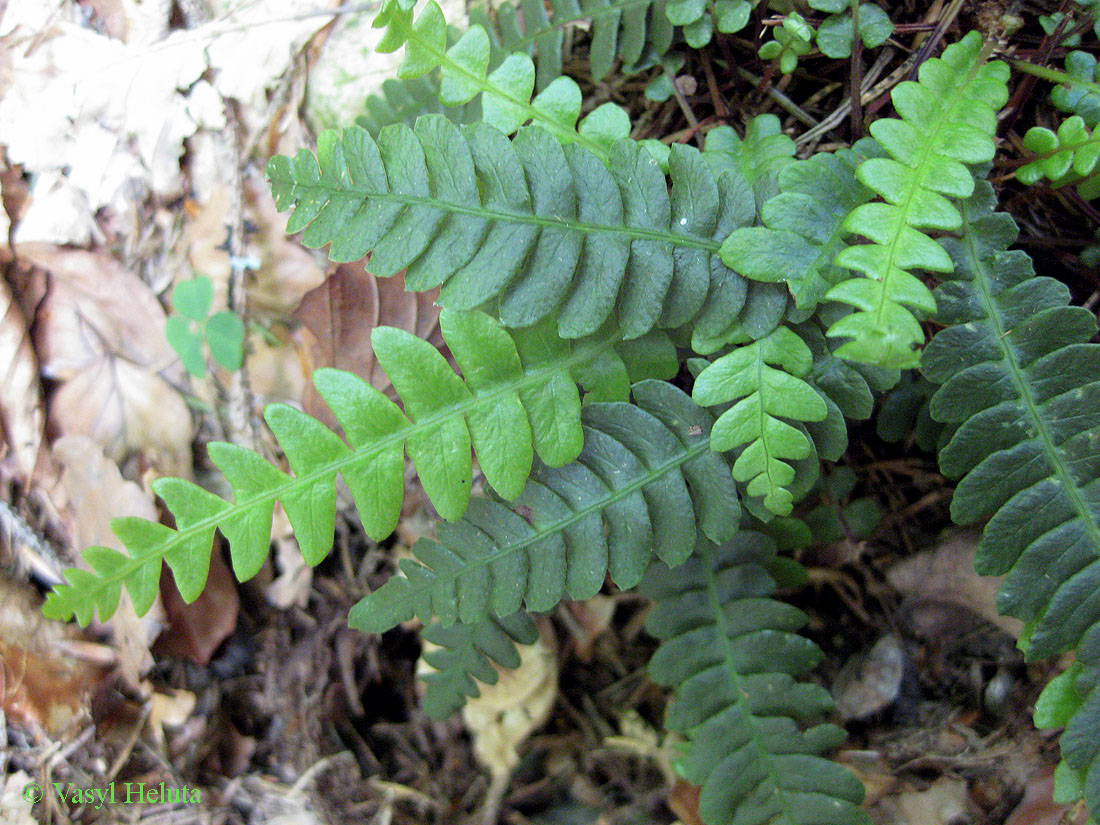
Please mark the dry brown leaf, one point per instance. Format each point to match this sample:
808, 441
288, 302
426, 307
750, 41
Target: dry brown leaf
97, 493
505, 714
40, 685
195, 630
94, 307
945, 801
946, 573
1039, 808
342, 312
21, 417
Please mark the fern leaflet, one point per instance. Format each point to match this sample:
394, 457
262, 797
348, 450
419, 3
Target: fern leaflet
763, 394
645, 478
506, 101
731, 654
948, 119
1069, 155
519, 397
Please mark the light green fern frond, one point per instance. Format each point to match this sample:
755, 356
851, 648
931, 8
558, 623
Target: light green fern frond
509, 407
948, 119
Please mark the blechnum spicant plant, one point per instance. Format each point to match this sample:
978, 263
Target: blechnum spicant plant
654, 349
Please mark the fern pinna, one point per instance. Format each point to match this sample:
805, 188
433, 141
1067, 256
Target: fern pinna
509, 406
1021, 382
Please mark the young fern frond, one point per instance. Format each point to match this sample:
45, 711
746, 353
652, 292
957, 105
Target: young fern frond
506, 91
731, 654
763, 395
1023, 385
403, 101
644, 483
1068, 156
465, 655
519, 397
948, 119
528, 227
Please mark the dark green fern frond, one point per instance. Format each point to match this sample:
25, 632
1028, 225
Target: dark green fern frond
1081, 98
505, 91
948, 119
731, 654
1023, 385
1020, 379
465, 656
644, 482
526, 227
764, 378
518, 397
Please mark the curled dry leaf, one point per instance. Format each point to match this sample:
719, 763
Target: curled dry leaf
21, 417
340, 315
196, 630
96, 493
945, 573
505, 714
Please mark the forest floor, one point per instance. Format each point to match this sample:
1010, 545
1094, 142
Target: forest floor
134, 136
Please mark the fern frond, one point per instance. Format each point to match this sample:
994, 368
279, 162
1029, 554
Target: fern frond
638, 31
465, 656
731, 654
506, 91
1081, 98
1023, 384
403, 101
803, 228
1069, 155
643, 482
838, 31
540, 229
948, 119
519, 397
764, 395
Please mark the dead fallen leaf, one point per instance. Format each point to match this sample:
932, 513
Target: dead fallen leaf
945, 802
342, 312
1039, 808
21, 417
505, 714
14, 809
946, 574
94, 306
40, 683
97, 493
196, 630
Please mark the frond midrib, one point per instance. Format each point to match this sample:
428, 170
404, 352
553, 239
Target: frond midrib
500, 216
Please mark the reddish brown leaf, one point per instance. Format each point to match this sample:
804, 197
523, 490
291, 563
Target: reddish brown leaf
340, 315
195, 630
